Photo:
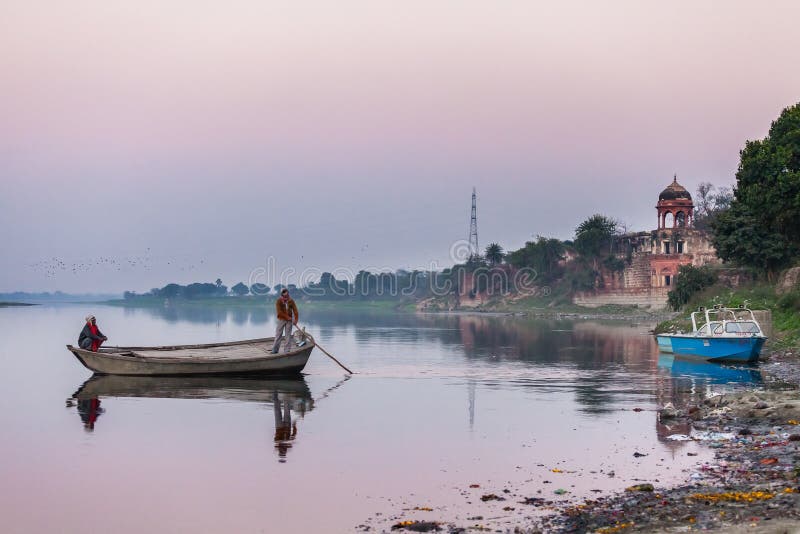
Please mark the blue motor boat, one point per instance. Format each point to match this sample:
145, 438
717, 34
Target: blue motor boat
725, 335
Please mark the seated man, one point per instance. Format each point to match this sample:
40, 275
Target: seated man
91, 337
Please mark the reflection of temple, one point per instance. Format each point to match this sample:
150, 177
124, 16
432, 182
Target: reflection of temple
290, 398
652, 258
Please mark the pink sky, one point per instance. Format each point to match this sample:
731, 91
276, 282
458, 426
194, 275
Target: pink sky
235, 130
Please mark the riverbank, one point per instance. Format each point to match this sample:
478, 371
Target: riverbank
752, 483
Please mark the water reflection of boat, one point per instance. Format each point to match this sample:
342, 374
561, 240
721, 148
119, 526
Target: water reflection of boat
290, 398
708, 372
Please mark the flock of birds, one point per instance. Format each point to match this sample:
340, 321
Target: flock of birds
54, 266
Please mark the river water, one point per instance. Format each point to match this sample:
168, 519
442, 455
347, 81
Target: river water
438, 403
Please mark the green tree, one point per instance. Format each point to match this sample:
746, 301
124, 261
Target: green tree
543, 255
689, 281
743, 238
494, 254
240, 289
171, 291
761, 227
594, 237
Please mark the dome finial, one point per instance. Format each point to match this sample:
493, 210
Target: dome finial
675, 178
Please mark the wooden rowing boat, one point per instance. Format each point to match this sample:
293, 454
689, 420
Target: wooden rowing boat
249, 357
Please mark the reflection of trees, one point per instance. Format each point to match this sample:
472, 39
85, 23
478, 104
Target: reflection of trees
216, 314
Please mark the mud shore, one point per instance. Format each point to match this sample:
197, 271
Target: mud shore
752, 484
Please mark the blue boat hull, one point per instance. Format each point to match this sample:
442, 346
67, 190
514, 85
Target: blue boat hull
664, 343
718, 349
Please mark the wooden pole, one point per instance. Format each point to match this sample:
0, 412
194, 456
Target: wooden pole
328, 354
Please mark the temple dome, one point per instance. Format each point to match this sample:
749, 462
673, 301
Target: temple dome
675, 191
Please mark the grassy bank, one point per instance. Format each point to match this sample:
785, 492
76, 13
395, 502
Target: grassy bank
760, 296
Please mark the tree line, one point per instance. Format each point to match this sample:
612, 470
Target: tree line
753, 225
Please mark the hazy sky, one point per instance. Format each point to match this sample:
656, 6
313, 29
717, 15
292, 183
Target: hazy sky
349, 134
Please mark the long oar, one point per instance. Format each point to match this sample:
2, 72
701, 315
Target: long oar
328, 354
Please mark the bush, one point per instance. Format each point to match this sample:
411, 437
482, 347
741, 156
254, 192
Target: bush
790, 301
689, 281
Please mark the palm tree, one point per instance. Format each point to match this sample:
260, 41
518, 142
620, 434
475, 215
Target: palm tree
494, 254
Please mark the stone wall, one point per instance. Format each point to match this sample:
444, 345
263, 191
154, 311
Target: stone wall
653, 298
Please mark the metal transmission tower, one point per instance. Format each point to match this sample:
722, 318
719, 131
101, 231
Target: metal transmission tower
473, 228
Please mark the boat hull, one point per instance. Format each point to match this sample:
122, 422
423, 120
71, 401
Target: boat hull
664, 343
249, 358
718, 349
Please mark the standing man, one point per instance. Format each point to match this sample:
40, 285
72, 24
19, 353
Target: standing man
287, 316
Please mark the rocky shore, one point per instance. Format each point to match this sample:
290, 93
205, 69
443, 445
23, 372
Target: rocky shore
752, 484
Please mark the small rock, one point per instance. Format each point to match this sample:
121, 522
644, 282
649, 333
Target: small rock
669, 411
761, 405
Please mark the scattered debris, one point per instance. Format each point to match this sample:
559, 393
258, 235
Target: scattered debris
417, 526
640, 487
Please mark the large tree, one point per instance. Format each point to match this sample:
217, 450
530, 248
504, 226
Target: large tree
543, 255
594, 236
761, 228
494, 254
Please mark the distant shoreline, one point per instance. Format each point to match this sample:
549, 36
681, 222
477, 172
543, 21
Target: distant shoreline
268, 300
15, 304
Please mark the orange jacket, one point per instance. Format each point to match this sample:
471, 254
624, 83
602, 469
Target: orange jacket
285, 311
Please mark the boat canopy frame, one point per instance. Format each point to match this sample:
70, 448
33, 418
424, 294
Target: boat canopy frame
721, 316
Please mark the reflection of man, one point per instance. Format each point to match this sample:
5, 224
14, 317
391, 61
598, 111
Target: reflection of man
286, 310
91, 337
285, 431
89, 410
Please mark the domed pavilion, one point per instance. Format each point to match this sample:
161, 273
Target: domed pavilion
675, 206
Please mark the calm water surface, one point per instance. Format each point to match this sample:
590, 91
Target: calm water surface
439, 403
